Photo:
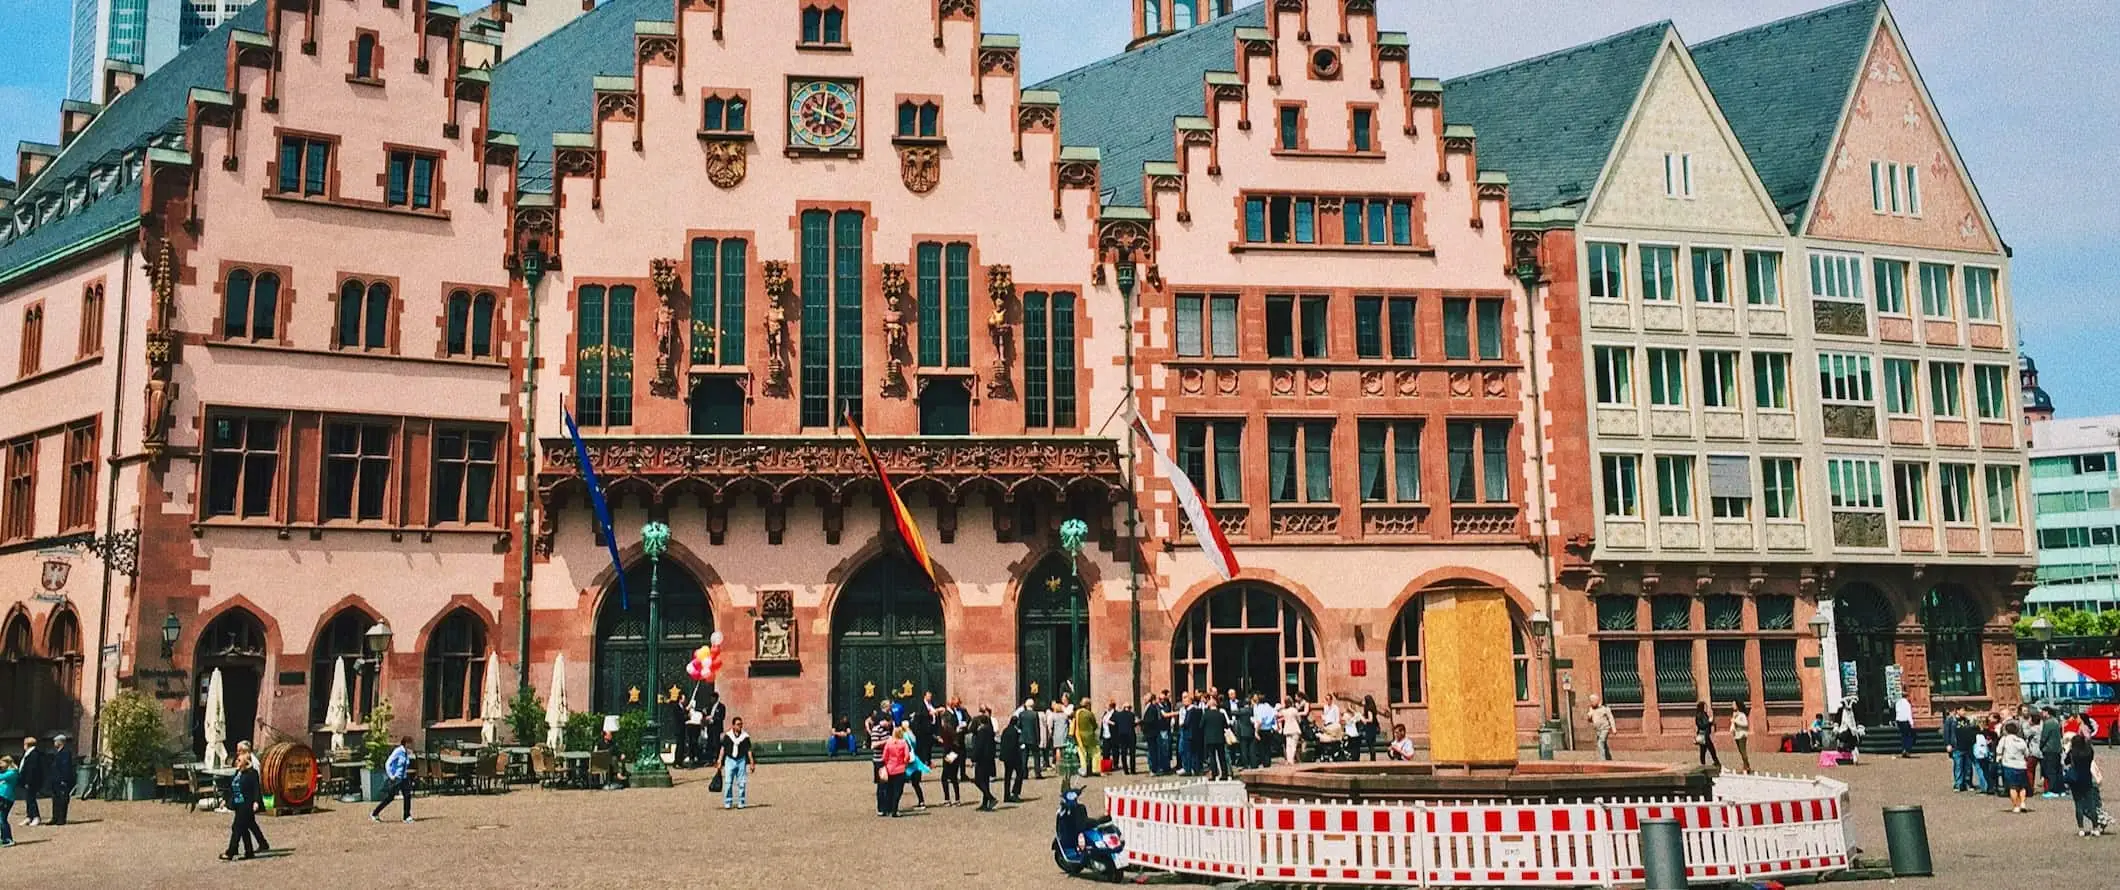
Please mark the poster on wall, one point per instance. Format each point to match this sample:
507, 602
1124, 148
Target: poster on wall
1848, 686
1894, 685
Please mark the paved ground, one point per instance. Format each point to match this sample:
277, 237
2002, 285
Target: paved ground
812, 825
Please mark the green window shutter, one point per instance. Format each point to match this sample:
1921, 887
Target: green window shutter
927, 276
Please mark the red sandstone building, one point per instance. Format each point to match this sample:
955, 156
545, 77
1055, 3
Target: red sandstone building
355, 270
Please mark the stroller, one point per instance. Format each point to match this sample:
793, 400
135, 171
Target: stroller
1330, 745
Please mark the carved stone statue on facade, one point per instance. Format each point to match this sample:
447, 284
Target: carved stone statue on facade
1000, 288
895, 300
663, 272
778, 290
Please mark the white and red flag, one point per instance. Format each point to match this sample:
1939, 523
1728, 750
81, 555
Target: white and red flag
1205, 529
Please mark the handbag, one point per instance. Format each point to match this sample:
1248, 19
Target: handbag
1229, 736
715, 786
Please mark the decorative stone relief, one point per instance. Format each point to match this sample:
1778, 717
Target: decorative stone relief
1226, 382
663, 272
1767, 321
1372, 383
1678, 535
1284, 382
895, 297
727, 162
1850, 421
1316, 382
1663, 318
1409, 383
1191, 381
1858, 530
921, 167
1610, 315
779, 289
161, 356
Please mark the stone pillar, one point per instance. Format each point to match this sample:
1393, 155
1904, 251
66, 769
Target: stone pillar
1471, 681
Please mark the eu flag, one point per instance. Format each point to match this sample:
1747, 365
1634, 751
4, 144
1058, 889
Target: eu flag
596, 499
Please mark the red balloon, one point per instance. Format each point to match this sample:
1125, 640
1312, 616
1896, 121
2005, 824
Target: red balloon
697, 670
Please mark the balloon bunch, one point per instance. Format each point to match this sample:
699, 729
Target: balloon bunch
706, 660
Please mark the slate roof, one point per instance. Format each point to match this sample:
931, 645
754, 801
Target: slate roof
154, 107
547, 87
1550, 121
1783, 85
1127, 106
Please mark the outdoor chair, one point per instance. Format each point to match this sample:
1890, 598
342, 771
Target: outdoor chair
488, 774
601, 769
165, 784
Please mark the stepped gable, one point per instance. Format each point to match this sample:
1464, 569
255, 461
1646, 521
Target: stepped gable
1551, 121
549, 87
150, 114
1783, 86
1127, 106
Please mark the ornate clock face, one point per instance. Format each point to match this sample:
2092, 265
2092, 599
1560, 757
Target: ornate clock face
824, 115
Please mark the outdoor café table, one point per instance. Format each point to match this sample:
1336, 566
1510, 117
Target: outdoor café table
577, 764
221, 778
458, 767
346, 777
518, 762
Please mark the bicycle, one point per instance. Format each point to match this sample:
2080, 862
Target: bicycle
97, 785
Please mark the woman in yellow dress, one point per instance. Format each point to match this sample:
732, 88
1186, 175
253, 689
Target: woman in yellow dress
1084, 729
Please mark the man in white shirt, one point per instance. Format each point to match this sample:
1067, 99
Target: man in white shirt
1903, 714
1262, 714
1602, 722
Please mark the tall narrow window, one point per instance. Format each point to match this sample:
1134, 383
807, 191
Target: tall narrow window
356, 470
1491, 333
1991, 397
466, 463
32, 340
1711, 275
833, 264
1946, 395
1954, 484
849, 264
1674, 486
483, 306
1457, 329
603, 392
1191, 324
1979, 293
91, 341
1299, 461
1910, 489
456, 669
21, 495
1390, 453
1049, 359
456, 334
411, 181
1615, 374
1762, 278
2001, 495
1678, 175
242, 466
1770, 380
1891, 285
927, 290
720, 269
1778, 480
1899, 386
1222, 325
1402, 326
1621, 474
1936, 290
1608, 268
1211, 452
1364, 123
1291, 132
77, 493
1478, 460
364, 57
1369, 327
1718, 379
957, 303
1659, 274
1667, 377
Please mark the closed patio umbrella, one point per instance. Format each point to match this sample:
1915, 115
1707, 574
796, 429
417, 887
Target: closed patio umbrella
338, 714
556, 703
491, 707
216, 722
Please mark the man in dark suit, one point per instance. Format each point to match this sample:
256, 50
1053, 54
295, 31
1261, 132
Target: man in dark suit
62, 777
1155, 724
1030, 727
1214, 749
1121, 748
33, 775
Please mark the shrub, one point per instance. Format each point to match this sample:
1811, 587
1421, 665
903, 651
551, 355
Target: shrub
526, 717
134, 734
377, 744
633, 731
580, 731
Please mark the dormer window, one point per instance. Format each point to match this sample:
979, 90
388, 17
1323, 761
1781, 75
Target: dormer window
824, 26
919, 119
726, 113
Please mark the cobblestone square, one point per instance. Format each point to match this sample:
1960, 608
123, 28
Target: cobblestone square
812, 825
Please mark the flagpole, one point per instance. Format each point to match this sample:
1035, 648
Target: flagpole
1125, 272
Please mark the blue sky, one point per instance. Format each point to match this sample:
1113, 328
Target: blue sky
2026, 88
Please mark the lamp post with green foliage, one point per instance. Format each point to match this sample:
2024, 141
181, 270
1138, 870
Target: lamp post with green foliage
648, 769
1072, 533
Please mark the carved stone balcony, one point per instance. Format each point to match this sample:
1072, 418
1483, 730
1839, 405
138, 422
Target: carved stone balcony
657, 465
1235, 522
1306, 522
1482, 521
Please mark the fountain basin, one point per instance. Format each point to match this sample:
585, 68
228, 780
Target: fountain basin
1544, 781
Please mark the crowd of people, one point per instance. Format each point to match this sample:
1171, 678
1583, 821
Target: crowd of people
2035, 750
41, 773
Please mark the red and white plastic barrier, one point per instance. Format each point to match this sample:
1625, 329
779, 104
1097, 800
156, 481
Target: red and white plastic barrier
1210, 829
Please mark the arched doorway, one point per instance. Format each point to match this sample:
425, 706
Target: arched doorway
622, 637
342, 640
1406, 655
1953, 620
1246, 636
887, 637
1052, 627
22, 677
62, 645
1864, 627
234, 644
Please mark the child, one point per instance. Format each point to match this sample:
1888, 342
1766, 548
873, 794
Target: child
8, 776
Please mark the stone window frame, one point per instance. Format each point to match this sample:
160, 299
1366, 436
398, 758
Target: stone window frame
498, 324
391, 336
373, 76
824, 9
282, 313
917, 102
89, 342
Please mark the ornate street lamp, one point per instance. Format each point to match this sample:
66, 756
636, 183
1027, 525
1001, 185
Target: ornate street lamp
1072, 533
648, 768
1126, 273
1822, 628
171, 629
1542, 639
533, 265
377, 640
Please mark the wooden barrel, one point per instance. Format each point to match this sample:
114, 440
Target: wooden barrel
289, 776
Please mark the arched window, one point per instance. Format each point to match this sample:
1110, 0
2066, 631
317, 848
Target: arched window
1953, 621
235, 307
364, 56
15, 640
364, 315
1249, 637
1152, 17
342, 641
1183, 14
237, 633
482, 310
456, 668
62, 636
377, 323
459, 331
1404, 656
265, 306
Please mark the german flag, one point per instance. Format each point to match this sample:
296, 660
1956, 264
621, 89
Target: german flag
907, 530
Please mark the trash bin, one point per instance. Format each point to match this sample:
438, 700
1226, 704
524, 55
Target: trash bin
1663, 855
1906, 838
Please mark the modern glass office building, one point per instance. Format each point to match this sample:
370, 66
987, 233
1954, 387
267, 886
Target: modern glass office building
2075, 471
144, 33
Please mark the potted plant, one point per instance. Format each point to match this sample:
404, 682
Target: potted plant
376, 745
526, 717
137, 742
580, 731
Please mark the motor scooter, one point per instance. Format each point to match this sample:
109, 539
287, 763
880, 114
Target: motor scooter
1081, 846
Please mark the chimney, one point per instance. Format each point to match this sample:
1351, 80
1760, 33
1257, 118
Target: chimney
118, 79
30, 159
75, 116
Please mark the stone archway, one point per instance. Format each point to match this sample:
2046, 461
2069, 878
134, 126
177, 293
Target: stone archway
1249, 636
888, 637
1866, 628
621, 644
233, 644
1955, 622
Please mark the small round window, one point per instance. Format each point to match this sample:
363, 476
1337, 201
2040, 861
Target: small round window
1325, 63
